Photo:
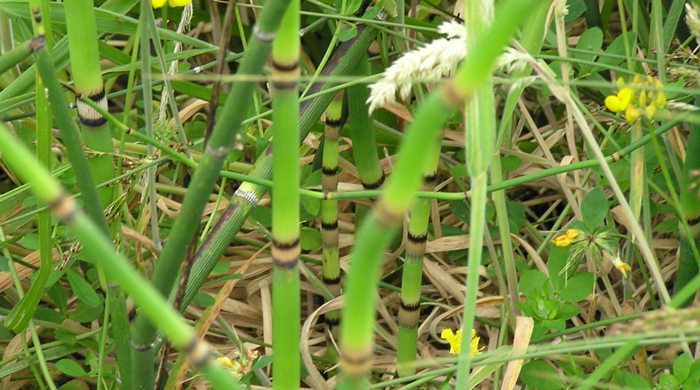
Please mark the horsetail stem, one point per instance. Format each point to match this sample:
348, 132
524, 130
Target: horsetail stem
99, 249
376, 231
329, 208
364, 146
286, 250
216, 151
10, 59
248, 194
66, 125
412, 274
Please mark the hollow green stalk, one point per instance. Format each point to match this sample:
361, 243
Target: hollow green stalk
329, 209
87, 77
364, 146
99, 249
412, 274
285, 202
19, 53
248, 194
480, 139
221, 142
67, 127
377, 230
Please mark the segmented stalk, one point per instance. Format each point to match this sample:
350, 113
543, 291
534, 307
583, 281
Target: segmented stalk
409, 310
248, 194
357, 329
87, 77
286, 250
364, 146
217, 149
99, 249
10, 59
329, 207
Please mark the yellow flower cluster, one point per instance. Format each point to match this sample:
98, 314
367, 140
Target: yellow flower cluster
455, 340
567, 238
171, 3
642, 95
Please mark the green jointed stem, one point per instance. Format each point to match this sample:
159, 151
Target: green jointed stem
374, 236
248, 194
412, 274
13, 57
68, 129
329, 207
286, 316
364, 146
99, 249
85, 70
220, 143
480, 138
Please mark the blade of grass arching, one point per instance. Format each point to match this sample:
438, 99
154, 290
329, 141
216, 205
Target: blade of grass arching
480, 140
98, 248
203, 180
357, 329
364, 146
329, 214
85, 70
673, 15
608, 365
248, 194
412, 273
21, 314
286, 315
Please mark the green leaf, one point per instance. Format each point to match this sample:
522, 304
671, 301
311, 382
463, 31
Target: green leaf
83, 290
681, 367
616, 50
347, 34
71, 368
539, 375
531, 282
310, 239
578, 287
591, 41
594, 208
668, 382
576, 8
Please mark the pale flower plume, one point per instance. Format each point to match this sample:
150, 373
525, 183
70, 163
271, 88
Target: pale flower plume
430, 63
692, 19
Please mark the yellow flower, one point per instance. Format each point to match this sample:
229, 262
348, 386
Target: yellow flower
455, 340
224, 362
647, 100
621, 266
171, 3
567, 238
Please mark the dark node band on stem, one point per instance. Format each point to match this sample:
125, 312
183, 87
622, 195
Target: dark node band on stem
281, 74
329, 225
331, 281
694, 221
417, 239
330, 171
286, 254
375, 185
334, 122
87, 114
37, 43
430, 180
356, 363
409, 306
36, 14
616, 156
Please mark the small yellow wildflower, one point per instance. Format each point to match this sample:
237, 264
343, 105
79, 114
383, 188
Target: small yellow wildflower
647, 98
567, 238
171, 3
455, 340
621, 266
224, 362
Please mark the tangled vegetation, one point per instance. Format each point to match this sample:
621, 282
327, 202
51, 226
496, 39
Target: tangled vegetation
493, 194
